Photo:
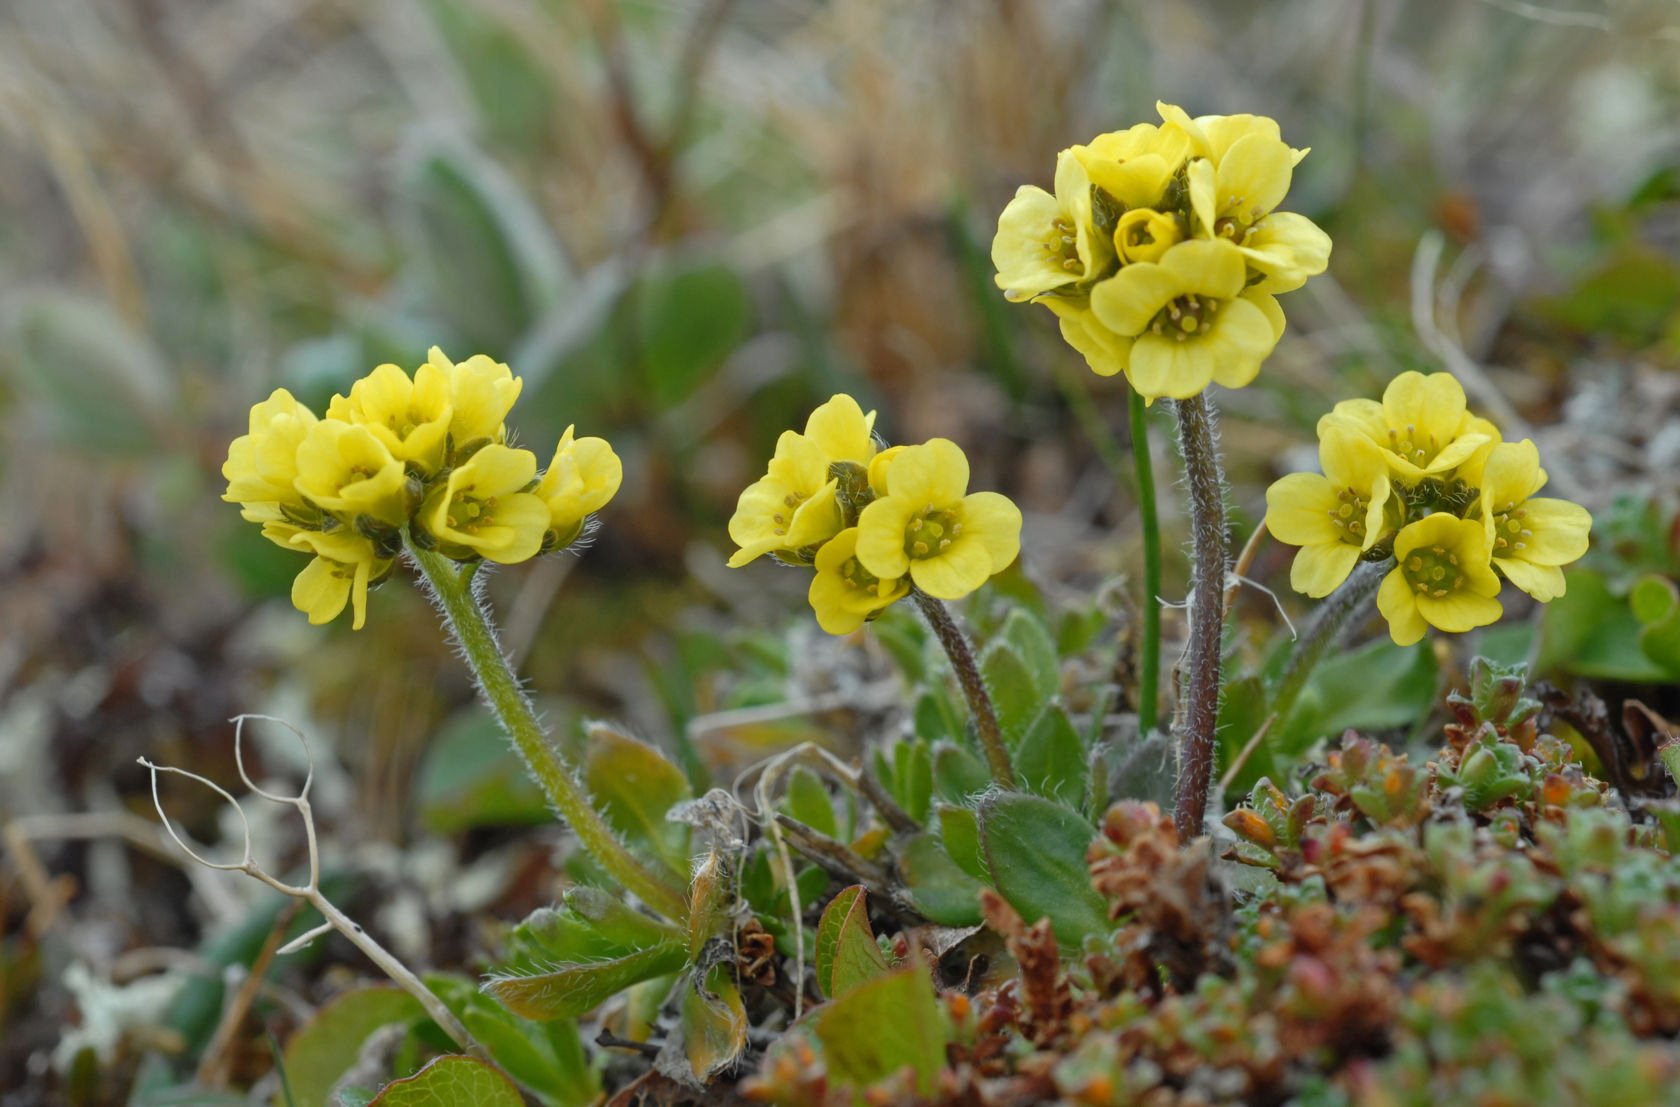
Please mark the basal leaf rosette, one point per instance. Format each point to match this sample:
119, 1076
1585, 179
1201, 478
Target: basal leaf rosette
421, 455
870, 521
1420, 478
1154, 190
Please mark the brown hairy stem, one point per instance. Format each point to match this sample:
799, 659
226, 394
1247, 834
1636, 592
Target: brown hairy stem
961, 654
1198, 709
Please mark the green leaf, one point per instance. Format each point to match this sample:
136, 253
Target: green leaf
1013, 688
574, 990
1378, 685
689, 322
846, 952
1590, 631
959, 829
936, 718
470, 777
808, 801
327, 1045
546, 1057
912, 781
883, 1026
713, 1022
486, 257
451, 1081
1031, 639
635, 785
1655, 602
1051, 758
938, 886
85, 376
958, 773
1035, 852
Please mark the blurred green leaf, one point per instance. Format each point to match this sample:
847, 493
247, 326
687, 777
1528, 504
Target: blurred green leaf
470, 777
689, 322
1035, 852
883, 1026
635, 786
846, 952
1014, 690
1633, 296
488, 262
1590, 631
958, 773
327, 1045
511, 88
959, 829
86, 376
808, 801
1375, 686
1655, 602
1031, 639
938, 886
912, 779
451, 1081
1051, 758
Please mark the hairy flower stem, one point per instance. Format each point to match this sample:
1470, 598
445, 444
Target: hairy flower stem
469, 624
1351, 599
1149, 658
1198, 709
974, 688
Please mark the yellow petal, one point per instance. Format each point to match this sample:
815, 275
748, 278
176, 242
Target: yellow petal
1163, 366
322, 590
880, 542
1460, 611
1398, 605
1544, 582
1254, 176
1206, 267
1298, 510
1560, 531
996, 522
955, 572
1127, 301
841, 430
1319, 570
1241, 338
934, 474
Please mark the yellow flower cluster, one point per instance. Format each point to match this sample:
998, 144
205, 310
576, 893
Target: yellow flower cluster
425, 454
872, 521
1420, 478
1162, 251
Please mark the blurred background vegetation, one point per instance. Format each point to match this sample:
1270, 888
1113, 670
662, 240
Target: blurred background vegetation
684, 223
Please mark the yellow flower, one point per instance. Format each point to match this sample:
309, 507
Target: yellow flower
1104, 351
1422, 425
929, 526
878, 467
261, 467
1143, 234
346, 469
1334, 517
793, 507
1531, 538
409, 415
484, 509
1046, 242
1134, 166
583, 476
1191, 318
1442, 579
344, 565
1285, 249
844, 594
481, 392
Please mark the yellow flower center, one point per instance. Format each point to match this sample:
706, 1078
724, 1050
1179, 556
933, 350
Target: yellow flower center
1433, 572
1062, 244
1510, 532
1228, 227
930, 533
1185, 316
468, 513
1418, 451
857, 578
791, 502
1144, 235
1349, 516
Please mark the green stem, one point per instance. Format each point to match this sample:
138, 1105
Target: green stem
1352, 598
1149, 678
1198, 711
974, 687
469, 623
